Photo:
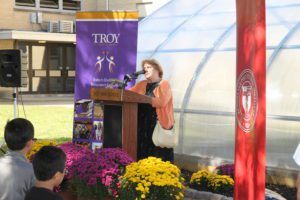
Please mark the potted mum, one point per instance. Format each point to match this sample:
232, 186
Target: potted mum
38, 145
204, 180
221, 184
151, 179
200, 179
95, 175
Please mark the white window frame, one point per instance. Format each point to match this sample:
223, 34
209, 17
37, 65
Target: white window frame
38, 8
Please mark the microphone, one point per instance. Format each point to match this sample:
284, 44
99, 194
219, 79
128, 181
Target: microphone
130, 77
134, 75
137, 73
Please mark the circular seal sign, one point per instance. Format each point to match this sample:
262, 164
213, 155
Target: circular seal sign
247, 100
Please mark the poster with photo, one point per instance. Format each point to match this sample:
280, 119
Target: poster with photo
83, 108
96, 145
98, 110
98, 130
82, 130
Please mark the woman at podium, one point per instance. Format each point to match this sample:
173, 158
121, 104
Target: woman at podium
159, 111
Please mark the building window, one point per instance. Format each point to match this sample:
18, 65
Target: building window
49, 5
28, 3
71, 5
53, 4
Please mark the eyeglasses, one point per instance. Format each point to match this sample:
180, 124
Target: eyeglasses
34, 139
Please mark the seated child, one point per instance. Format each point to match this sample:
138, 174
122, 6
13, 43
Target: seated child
49, 170
16, 172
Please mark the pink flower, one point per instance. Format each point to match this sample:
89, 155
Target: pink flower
102, 167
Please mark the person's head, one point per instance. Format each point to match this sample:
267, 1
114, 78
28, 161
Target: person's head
19, 135
152, 68
49, 165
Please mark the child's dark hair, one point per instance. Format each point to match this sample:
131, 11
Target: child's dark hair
17, 133
47, 161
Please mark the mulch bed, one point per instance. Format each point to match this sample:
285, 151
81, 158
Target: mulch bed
285, 191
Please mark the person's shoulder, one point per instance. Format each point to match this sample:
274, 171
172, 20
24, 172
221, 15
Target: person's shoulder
25, 165
164, 83
15, 160
35, 193
57, 197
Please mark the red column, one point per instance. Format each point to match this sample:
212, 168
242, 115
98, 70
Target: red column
250, 141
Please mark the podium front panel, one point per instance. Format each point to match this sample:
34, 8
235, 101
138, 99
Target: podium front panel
112, 137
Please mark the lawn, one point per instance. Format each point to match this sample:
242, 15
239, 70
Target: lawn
53, 122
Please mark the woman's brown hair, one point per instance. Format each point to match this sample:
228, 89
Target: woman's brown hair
155, 64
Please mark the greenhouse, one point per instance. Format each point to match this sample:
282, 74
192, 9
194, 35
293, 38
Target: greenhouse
90, 91
195, 41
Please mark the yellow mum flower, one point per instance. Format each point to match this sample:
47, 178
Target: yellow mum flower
38, 145
153, 174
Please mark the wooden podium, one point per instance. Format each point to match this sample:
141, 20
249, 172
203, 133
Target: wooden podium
120, 117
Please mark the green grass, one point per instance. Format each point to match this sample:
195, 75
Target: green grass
51, 122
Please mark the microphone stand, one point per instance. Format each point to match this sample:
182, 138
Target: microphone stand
128, 78
15, 102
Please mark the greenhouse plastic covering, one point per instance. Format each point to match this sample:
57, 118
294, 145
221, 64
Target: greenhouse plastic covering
195, 41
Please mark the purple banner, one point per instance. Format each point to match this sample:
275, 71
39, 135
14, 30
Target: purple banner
106, 46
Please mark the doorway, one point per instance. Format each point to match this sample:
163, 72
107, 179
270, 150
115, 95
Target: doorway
51, 67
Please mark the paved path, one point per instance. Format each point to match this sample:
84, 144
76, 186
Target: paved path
191, 194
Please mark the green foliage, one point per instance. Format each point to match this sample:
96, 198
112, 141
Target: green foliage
83, 192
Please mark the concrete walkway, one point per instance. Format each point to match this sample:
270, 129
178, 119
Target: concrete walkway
191, 194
